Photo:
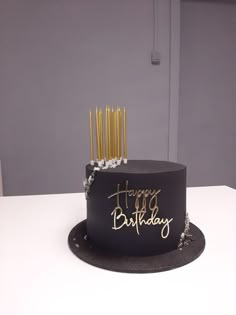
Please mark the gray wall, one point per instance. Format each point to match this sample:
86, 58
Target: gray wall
207, 129
58, 58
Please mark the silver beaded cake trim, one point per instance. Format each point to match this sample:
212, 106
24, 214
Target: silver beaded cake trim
185, 237
87, 183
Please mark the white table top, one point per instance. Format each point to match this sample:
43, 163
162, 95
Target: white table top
40, 275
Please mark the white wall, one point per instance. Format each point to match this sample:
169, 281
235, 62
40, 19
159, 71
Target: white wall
207, 129
58, 58
1, 188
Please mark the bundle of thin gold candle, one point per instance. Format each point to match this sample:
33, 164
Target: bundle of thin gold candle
108, 125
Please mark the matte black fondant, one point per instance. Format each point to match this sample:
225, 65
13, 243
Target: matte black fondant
85, 250
169, 178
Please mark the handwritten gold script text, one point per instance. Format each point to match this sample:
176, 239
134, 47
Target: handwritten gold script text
145, 201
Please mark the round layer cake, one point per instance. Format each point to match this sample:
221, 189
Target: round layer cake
137, 209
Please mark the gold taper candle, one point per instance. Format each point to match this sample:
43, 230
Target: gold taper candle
118, 133
120, 129
106, 135
97, 135
109, 132
124, 136
91, 138
115, 135
112, 134
101, 135
110, 128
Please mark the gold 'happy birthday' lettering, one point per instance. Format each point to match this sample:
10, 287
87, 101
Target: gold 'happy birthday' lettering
145, 200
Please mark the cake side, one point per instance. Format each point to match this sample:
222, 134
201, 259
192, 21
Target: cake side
137, 209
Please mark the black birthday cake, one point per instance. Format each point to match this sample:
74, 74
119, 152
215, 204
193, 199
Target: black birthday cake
136, 209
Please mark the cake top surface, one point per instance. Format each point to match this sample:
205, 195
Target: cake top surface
144, 167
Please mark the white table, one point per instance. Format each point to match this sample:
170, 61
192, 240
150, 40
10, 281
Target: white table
40, 275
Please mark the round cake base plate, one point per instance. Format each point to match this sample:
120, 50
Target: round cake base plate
85, 250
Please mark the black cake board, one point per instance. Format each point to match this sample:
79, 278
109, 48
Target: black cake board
85, 250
